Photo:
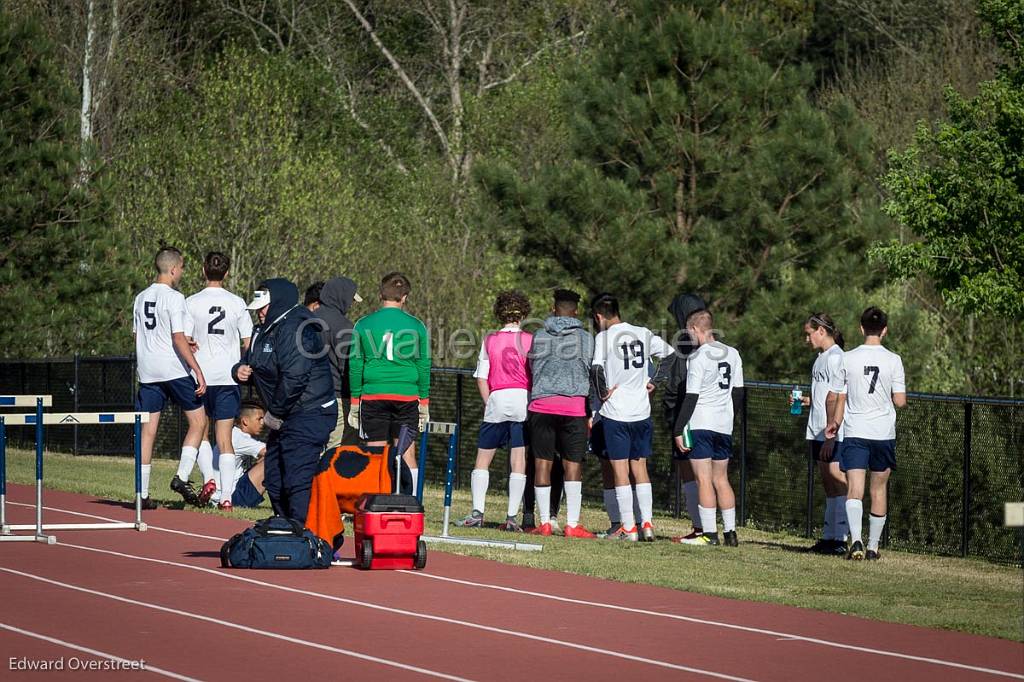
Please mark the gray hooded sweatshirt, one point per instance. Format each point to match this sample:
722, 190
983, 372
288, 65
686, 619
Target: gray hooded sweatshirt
335, 300
560, 359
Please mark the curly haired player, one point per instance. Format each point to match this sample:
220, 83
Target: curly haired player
502, 377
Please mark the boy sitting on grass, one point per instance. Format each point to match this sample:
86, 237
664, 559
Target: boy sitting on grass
247, 487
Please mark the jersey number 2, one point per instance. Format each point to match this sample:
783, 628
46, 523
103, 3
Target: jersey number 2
218, 316
636, 349
873, 371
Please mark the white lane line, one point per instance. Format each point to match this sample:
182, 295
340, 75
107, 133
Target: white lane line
415, 614
730, 626
236, 626
99, 654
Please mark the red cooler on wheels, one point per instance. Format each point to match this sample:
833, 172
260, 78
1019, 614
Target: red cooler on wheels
388, 530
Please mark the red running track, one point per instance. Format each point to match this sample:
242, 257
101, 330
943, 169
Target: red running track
161, 596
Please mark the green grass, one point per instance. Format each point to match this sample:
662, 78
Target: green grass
937, 592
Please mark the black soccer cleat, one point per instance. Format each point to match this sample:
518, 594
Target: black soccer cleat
872, 555
729, 539
185, 489
149, 504
824, 547
529, 522
837, 548
856, 552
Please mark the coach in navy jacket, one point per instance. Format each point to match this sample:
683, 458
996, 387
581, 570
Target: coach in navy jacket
287, 364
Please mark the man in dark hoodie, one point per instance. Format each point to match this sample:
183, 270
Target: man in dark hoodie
286, 363
682, 307
336, 298
560, 359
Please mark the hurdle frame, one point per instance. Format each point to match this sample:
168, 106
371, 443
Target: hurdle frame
39, 419
452, 431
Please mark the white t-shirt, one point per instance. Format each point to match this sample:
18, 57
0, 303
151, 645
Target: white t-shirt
219, 320
159, 311
244, 445
825, 367
505, 404
623, 351
869, 375
713, 370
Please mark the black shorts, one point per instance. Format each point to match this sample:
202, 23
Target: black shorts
816, 451
557, 434
382, 419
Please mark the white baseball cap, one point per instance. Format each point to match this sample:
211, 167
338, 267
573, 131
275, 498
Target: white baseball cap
357, 298
260, 298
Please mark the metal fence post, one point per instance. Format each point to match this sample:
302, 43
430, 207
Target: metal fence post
458, 434
743, 460
965, 530
74, 396
810, 495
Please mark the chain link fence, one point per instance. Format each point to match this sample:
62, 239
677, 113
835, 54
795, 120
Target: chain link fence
958, 457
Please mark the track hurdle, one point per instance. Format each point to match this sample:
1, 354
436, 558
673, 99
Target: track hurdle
65, 419
452, 431
39, 401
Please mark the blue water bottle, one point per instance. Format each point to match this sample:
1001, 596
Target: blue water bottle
797, 406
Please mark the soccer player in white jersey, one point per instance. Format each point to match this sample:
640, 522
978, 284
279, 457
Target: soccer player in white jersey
220, 322
160, 322
822, 334
714, 383
621, 353
863, 396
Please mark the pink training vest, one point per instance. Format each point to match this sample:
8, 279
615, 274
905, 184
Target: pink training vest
506, 354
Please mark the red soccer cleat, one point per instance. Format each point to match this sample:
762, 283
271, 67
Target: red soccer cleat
209, 488
225, 506
577, 531
544, 529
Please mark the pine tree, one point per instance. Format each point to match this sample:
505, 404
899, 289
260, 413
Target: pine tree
700, 163
59, 272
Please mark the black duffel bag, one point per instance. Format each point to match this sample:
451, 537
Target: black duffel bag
276, 542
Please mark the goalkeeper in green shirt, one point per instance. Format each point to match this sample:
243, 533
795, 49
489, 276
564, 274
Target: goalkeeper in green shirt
389, 371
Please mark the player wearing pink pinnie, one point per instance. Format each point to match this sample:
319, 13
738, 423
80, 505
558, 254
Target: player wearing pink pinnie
503, 378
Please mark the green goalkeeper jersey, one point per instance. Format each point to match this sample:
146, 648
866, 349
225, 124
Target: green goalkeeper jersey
390, 358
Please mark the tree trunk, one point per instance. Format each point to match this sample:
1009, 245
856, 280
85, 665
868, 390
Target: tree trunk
86, 111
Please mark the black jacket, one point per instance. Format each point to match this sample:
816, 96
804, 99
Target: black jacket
682, 307
289, 367
336, 328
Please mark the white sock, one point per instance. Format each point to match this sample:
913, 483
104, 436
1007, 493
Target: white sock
840, 526
692, 502
543, 496
828, 531
645, 500
707, 519
636, 507
516, 488
728, 519
611, 505
415, 473
226, 464
147, 469
478, 482
205, 461
855, 517
573, 502
624, 496
187, 461
875, 526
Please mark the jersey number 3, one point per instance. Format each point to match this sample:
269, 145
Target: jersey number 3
218, 316
725, 372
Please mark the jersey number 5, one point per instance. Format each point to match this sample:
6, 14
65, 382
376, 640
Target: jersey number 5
724, 371
873, 371
218, 316
147, 310
636, 349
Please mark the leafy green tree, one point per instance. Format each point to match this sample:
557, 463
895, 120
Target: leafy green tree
698, 161
960, 187
60, 276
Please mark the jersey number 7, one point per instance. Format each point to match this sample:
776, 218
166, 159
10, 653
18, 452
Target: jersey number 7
873, 371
